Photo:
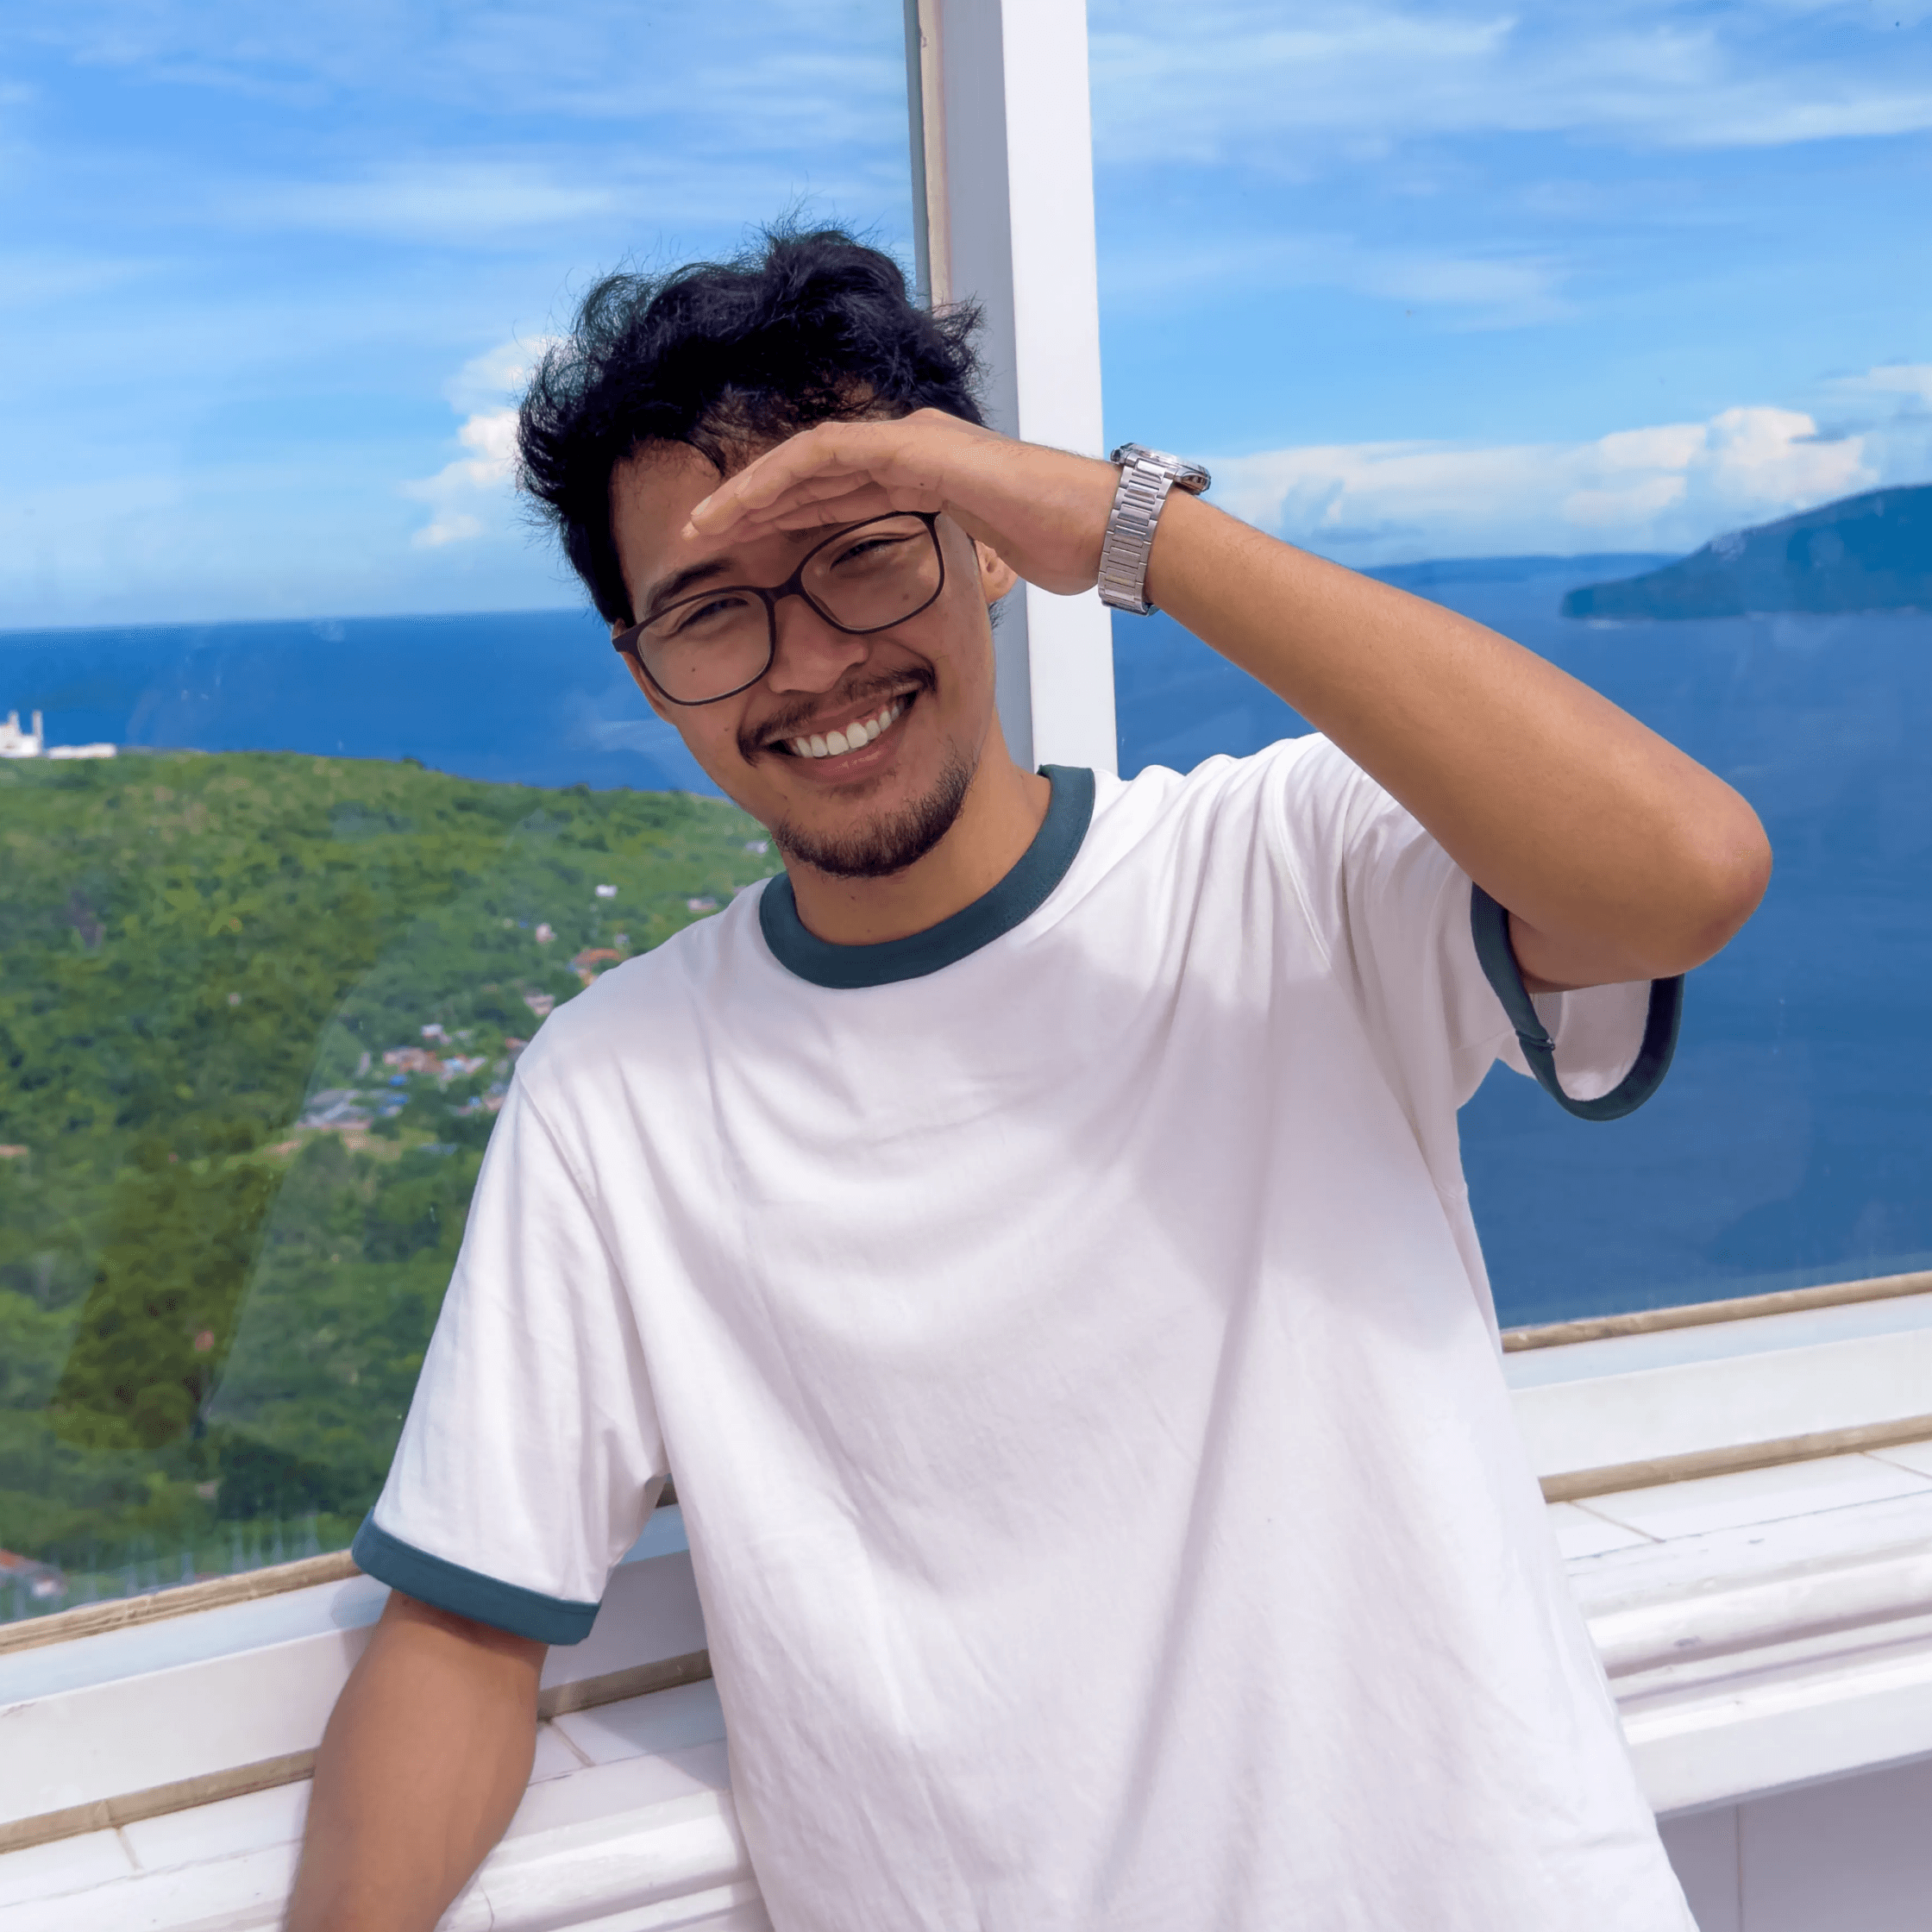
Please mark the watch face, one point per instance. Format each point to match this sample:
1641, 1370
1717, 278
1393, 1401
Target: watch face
1187, 475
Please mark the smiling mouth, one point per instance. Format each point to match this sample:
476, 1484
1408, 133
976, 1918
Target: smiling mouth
854, 737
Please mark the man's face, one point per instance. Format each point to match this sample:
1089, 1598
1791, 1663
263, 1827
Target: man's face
864, 812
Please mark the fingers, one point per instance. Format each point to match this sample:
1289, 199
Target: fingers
821, 466
724, 513
810, 457
853, 504
826, 486
843, 496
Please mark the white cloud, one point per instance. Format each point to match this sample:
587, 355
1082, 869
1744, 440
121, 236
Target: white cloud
1471, 290
671, 188
43, 279
472, 497
1227, 79
488, 125
459, 199
1669, 487
1889, 409
751, 70
464, 495
497, 374
1912, 380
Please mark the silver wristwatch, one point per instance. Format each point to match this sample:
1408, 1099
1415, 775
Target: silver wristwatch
1146, 476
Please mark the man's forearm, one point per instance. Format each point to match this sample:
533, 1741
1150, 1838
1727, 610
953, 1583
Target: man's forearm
423, 1762
1618, 856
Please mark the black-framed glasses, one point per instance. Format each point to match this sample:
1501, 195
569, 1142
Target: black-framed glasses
716, 643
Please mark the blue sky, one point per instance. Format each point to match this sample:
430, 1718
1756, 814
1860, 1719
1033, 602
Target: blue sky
1421, 280
1576, 278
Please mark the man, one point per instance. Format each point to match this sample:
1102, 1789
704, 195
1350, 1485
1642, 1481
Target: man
1032, 1228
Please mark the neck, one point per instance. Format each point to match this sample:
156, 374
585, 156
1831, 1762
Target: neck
1002, 810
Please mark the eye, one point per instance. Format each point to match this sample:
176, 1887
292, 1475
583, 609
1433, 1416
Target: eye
705, 613
872, 548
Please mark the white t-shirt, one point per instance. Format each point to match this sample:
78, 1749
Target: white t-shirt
1071, 1342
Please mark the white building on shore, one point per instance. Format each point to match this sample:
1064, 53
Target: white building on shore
17, 743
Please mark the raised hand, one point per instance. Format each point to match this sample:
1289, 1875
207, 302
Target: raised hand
1044, 512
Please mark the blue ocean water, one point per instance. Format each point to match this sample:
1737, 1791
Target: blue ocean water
1793, 1140
528, 697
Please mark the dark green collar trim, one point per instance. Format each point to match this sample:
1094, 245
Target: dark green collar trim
1018, 896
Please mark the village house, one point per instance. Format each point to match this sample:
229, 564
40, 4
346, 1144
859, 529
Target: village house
591, 958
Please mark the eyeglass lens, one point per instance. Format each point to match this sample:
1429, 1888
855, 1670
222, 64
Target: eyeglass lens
864, 579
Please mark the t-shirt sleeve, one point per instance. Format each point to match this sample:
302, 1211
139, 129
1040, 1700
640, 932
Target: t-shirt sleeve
1393, 909
531, 1455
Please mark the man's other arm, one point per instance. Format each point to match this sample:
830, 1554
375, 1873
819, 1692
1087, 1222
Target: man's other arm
1618, 856
422, 1766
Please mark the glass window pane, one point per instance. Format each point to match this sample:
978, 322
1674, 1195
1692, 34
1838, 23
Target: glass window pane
1504, 308
382, 796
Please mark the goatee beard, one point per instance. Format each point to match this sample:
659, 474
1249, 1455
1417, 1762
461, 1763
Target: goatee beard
889, 843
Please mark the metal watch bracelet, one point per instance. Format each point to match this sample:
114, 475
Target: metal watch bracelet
1147, 477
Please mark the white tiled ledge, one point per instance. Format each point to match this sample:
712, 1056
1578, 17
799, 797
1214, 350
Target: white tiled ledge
1767, 1630
1842, 1559
185, 1697
1677, 1392
1763, 1630
627, 1826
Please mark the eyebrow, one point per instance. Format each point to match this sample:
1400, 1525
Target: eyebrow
668, 590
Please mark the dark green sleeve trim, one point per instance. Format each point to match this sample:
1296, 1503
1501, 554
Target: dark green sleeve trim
449, 1586
1490, 926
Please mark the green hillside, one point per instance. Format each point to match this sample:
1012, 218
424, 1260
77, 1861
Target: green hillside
226, 1221
1865, 553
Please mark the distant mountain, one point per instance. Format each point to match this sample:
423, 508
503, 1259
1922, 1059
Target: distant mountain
1865, 553
1440, 572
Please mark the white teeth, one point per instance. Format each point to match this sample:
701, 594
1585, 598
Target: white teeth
852, 738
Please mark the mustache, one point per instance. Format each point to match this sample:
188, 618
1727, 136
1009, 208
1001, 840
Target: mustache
787, 723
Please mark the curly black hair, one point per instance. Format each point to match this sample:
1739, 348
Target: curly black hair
803, 327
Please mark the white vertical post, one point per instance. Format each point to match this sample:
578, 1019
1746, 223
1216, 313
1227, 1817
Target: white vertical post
1003, 147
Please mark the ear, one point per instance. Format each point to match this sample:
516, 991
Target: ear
997, 576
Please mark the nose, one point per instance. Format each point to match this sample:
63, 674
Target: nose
811, 654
